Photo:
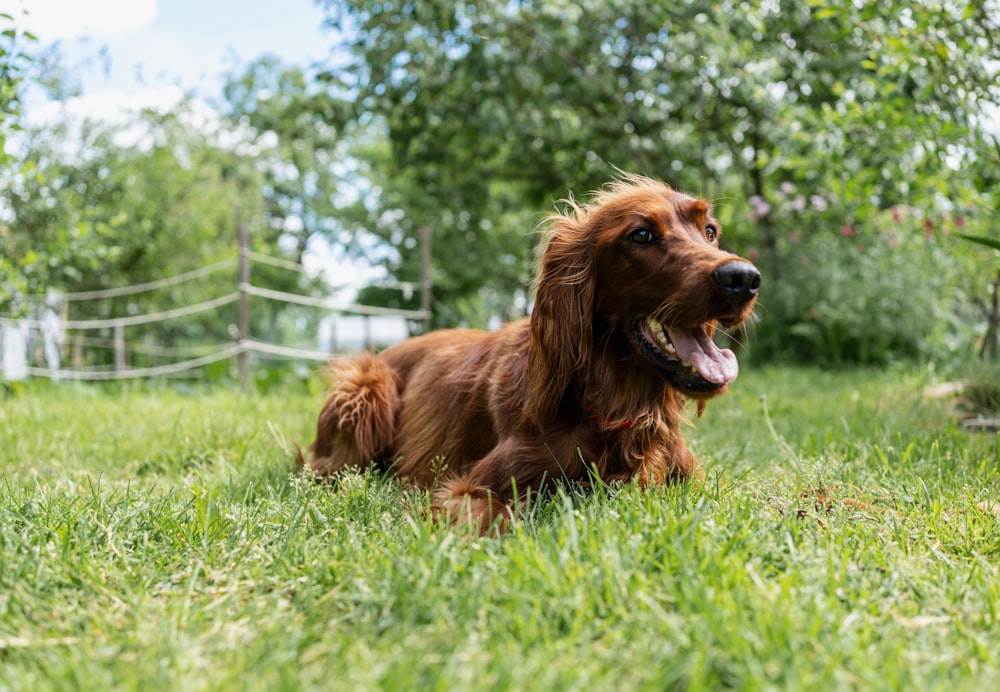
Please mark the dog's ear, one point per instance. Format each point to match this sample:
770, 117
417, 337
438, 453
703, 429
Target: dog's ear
561, 319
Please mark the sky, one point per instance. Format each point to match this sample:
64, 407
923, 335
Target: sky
127, 55
157, 50
187, 43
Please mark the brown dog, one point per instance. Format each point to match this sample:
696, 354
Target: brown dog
630, 290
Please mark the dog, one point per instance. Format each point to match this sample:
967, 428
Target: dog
630, 289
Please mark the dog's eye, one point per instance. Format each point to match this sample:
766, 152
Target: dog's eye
641, 236
712, 233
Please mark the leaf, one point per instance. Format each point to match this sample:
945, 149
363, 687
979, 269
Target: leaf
981, 240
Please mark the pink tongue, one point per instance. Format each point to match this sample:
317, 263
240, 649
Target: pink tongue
715, 364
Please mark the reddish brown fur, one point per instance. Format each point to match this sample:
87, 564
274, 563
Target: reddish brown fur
485, 418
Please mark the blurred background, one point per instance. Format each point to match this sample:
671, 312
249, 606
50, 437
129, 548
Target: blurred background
386, 164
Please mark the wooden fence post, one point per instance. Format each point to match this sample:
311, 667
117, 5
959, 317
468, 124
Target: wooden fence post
425, 275
120, 364
63, 334
244, 306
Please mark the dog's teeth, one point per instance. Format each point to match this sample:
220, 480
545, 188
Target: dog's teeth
662, 341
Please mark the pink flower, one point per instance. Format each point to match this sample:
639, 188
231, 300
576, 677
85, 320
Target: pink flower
959, 222
753, 255
760, 207
896, 216
818, 202
847, 230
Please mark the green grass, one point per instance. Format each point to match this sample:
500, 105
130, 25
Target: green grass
157, 539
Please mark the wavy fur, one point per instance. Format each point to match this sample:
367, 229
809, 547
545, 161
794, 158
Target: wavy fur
487, 418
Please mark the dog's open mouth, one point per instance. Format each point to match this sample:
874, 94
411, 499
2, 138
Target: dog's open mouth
688, 357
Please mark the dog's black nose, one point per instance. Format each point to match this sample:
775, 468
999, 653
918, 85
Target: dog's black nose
739, 280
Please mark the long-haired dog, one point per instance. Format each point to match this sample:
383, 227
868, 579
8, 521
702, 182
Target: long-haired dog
630, 289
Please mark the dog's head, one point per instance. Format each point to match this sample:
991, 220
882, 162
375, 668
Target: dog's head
638, 272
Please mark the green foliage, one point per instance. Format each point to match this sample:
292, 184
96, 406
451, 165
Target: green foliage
874, 105
989, 306
980, 240
867, 295
13, 63
171, 545
481, 259
464, 122
296, 127
294, 122
97, 206
981, 393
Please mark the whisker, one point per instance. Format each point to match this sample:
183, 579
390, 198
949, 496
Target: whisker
666, 313
735, 333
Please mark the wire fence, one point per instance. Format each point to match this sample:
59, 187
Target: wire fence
37, 345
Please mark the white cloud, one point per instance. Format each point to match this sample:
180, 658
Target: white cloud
120, 109
52, 20
110, 106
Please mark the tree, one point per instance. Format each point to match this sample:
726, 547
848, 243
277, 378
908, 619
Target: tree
553, 93
329, 179
494, 240
13, 61
296, 125
858, 107
97, 206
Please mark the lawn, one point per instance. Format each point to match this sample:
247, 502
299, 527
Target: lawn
156, 537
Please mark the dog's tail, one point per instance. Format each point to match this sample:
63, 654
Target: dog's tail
358, 421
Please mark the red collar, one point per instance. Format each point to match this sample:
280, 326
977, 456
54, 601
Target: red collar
603, 423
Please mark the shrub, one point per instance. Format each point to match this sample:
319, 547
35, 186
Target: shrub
859, 297
981, 393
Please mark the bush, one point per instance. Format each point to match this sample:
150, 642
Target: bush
859, 298
981, 393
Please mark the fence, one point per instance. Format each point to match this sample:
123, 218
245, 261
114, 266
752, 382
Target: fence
50, 329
